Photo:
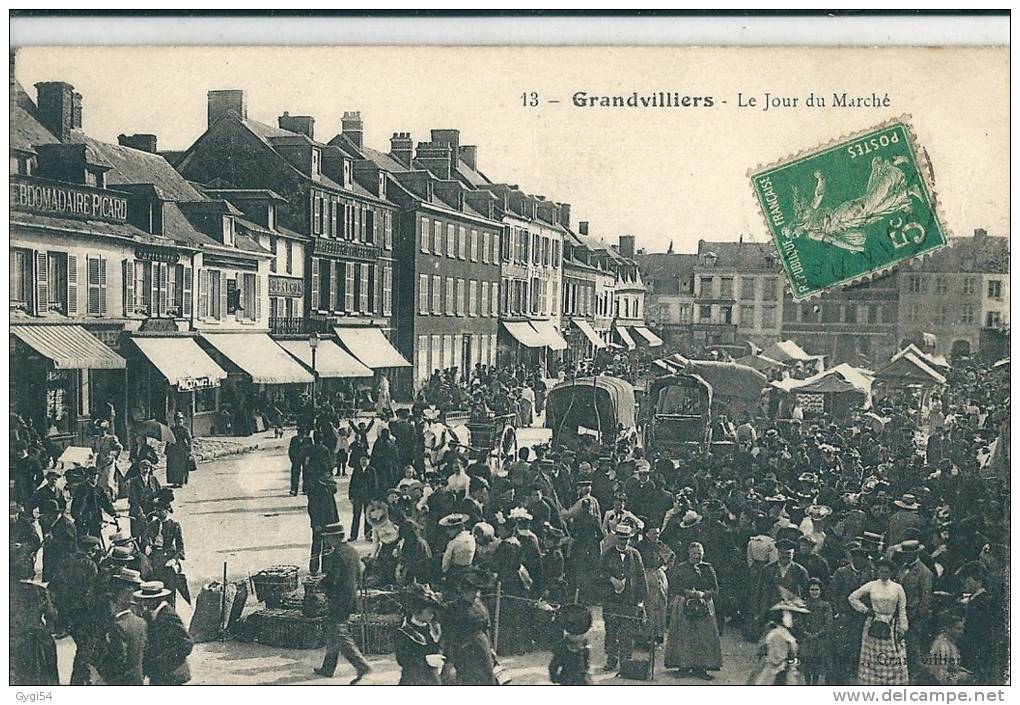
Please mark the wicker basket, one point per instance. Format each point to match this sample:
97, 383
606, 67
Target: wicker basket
373, 633
288, 629
273, 583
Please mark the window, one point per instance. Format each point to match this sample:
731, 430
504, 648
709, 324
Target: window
969, 285
941, 285
423, 294
726, 287
205, 399
830, 313
460, 297
216, 288
365, 301
940, 314
768, 289
350, 301
316, 156
423, 236
707, 286
916, 284
450, 297
272, 248
768, 316
967, 313
747, 316
369, 224
474, 245
462, 243
483, 302
705, 312
422, 359
289, 248
437, 295
387, 302
96, 280
317, 214
250, 303
334, 208
472, 306
56, 281
746, 288
486, 243
726, 314
993, 319
556, 253
451, 240
494, 299
21, 279
437, 237
872, 314
914, 313
994, 289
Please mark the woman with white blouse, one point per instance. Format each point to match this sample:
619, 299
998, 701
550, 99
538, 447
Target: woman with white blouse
883, 645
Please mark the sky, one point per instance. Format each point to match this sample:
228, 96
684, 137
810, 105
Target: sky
664, 175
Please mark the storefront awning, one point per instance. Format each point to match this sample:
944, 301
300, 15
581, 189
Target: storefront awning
371, 347
184, 364
259, 357
589, 333
648, 336
69, 347
550, 336
330, 359
524, 334
628, 342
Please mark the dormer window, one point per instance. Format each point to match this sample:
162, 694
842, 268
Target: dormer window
316, 162
228, 230
95, 177
271, 216
382, 185
347, 173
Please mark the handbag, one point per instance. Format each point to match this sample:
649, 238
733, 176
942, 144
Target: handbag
695, 608
880, 630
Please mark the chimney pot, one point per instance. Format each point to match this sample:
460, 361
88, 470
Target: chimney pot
59, 107
402, 147
222, 102
143, 141
353, 128
469, 155
582, 227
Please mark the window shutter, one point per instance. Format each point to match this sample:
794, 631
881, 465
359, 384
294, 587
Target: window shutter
164, 285
315, 283
72, 285
258, 298
171, 288
222, 312
186, 303
42, 288
102, 286
336, 294
129, 286
349, 302
203, 293
92, 271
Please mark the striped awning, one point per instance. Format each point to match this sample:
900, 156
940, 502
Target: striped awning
184, 364
259, 357
648, 336
524, 334
370, 347
331, 360
589, 333
628, 342
69, 347
552, 338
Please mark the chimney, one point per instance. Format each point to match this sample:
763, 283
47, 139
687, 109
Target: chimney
582, 227
627, 246
451, 138
565, 215
143, 142
469, 155
402, 147
980, 234
227, 101
302, 124
59, 108
353, 128
435, 157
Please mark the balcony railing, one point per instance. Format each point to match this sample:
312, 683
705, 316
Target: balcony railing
292, 325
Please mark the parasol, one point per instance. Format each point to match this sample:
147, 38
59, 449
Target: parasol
157, 430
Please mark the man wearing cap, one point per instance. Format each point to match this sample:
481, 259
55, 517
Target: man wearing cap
460, 550
167, 644
89, 503
583, 493
785, 573
618, 514
847, 622
76, 597
120, 650
918, 583
342, 566
466, 625
644, 496
142, 492
906, 517
49, 490
624, 586
814, 564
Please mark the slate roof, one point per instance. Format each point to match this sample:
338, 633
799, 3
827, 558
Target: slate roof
666, 270
740, 255
26, 128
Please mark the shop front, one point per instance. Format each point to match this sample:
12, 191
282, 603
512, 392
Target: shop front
369, 346
335, 370
173, 374
62, 377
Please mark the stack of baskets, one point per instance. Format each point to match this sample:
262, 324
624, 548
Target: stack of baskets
273, 584
288, 628
314, 602
374, 632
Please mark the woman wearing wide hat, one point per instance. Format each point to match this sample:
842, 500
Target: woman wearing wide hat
777, 651
466, 626
416, 644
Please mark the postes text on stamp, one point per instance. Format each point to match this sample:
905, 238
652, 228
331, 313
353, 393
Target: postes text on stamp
849, 209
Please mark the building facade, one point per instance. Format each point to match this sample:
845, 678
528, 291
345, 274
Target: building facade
578, 307
669, 298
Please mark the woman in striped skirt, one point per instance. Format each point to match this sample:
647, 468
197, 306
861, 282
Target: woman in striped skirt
883, 643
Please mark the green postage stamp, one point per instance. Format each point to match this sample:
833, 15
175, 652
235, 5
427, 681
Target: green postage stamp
849, 209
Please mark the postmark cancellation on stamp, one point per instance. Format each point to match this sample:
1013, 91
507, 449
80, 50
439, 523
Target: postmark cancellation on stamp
850, 209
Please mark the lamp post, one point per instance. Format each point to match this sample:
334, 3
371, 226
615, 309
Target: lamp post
313, 343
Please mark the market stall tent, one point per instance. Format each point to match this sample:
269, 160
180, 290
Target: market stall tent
787, 351
837, 391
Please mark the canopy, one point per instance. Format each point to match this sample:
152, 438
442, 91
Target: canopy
184, 364
371, 347
589, 333
600, 402
728, 379
909, 369
524, 334
759, 362
330, 359
788, 351
841, 378
259, 357
936, 362
628, 342
552, 338
648, 336
69, 347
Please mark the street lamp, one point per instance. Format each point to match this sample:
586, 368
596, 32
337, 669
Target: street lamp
313, 343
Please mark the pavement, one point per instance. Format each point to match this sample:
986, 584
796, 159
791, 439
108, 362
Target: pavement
236, 511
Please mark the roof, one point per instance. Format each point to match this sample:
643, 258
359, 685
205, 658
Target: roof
933, 361
985, 254
91, 228
841, 378
666, 270
26, 128
472, 176
729, 379
740, 255
133, 166
179, 228
911, 369
788, 351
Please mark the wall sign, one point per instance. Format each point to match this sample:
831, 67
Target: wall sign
67, 200
340, 248
286, 286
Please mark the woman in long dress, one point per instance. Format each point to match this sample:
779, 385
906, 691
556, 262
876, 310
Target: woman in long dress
816, 639
178, 454
693, 645
658, 560
883, 644
383, 399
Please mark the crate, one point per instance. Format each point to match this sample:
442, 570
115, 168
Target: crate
273, 583
288, 629
374, 633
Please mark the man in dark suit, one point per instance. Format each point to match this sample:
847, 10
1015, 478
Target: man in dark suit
622, 575
342, 566
49, 491
78, 602
121, 649
784, 572
984, 631
297, 451
60, 538
89, 503
168, 643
